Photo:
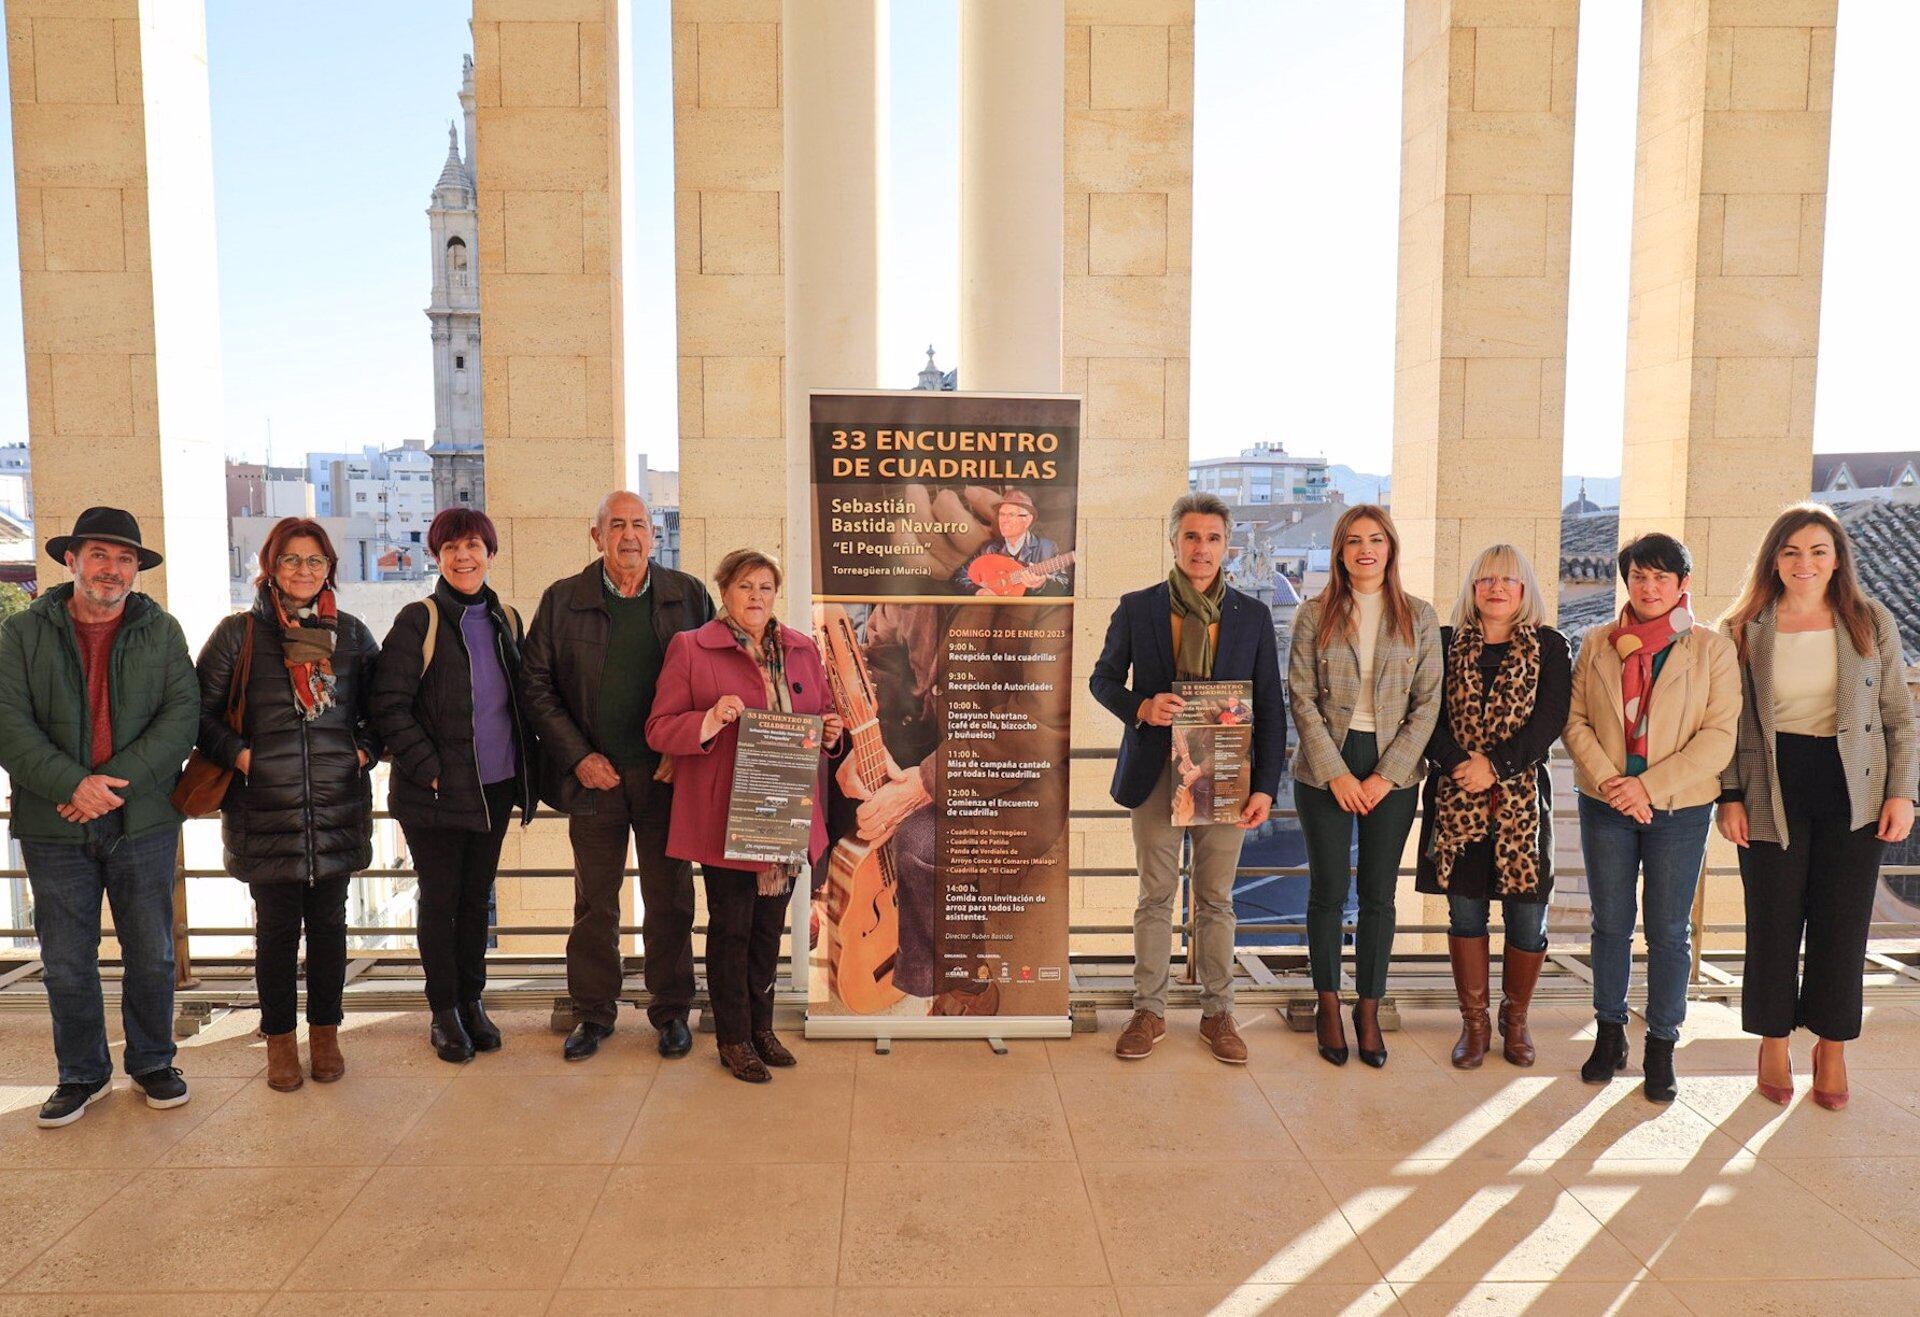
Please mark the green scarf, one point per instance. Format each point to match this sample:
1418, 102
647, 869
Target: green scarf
1194, 662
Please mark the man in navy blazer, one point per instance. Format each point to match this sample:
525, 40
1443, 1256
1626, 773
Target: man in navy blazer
1134, 679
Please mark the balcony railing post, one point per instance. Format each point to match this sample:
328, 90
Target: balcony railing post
182, 942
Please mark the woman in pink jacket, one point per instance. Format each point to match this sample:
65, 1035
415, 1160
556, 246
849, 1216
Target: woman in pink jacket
743, 659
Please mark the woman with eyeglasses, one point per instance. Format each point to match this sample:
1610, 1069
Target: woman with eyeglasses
1486, 828
297, 821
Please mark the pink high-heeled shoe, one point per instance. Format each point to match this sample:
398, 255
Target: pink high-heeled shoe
1778, 1094
1831, 1101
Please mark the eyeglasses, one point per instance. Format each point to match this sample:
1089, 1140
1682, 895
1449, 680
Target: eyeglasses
1488, 582
293, 562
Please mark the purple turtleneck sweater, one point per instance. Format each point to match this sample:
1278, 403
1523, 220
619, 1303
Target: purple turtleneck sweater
492, 703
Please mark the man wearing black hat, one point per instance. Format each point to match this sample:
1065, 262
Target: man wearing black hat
98, 707
1015, 561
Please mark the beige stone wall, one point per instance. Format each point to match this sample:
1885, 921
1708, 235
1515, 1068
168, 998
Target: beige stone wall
1729, 204
1129, 284
1480, 361
547, 91
112, 244
728, 175
1729, 215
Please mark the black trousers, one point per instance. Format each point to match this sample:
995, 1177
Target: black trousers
457, 869
638, 808
280, 910
1820, 888
743, 952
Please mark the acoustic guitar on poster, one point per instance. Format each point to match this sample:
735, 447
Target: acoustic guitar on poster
863, 887
999, 574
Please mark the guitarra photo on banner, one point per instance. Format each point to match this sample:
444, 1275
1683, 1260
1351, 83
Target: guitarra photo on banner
944, 575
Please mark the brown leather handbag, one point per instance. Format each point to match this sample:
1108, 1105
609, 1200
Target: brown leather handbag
203, 784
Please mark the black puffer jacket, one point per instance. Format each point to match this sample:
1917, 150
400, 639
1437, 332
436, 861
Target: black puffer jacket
426, 718
304, 810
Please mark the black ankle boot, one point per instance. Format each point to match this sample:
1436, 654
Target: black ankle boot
1609, 1054
1660, 1085
449, 1037
484, 1033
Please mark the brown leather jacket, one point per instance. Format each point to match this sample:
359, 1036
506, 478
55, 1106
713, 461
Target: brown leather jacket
562, 660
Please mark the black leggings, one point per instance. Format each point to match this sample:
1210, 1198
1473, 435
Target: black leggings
457, 870
280, 910
1821, 886
743, 952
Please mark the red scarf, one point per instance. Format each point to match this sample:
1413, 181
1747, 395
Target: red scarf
1638, 644
307, 641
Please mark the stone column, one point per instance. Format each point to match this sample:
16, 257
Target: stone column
1012, 163
1486, 176
1125, 329
118, 279
834, 57
729, 136
1729, 214
548, 91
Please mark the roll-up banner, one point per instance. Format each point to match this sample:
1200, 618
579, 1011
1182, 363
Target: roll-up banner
945, 556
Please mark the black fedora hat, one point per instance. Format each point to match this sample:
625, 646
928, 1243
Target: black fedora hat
111, 524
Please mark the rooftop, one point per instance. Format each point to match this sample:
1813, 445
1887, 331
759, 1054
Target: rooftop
942, 1178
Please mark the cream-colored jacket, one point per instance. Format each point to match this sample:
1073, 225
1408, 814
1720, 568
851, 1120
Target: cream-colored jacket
1692, 718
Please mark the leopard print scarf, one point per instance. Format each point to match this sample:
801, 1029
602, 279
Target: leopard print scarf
1512, 808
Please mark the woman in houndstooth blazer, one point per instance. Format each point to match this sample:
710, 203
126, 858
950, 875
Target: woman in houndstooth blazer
1825, 765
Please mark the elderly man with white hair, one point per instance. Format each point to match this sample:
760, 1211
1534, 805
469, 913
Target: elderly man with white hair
592, 658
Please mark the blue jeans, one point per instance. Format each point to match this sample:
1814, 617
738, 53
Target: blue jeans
1526, 921
136, 875
1621, 856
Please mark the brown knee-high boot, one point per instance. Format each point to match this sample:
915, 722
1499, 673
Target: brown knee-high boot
1519, 971
1469, 957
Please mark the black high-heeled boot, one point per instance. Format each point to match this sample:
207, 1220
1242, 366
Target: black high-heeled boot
449, 1037
484, 1033
1657, 1066
1609, 1054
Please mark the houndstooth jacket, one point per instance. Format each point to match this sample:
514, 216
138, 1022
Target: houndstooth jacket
1323, 683
1879, 747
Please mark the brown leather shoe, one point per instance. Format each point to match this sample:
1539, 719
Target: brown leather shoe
1519, 972
323, 1042
1469, 957
768, 1047
1223, 1038
742, 1062
1137, 1039
283, 1062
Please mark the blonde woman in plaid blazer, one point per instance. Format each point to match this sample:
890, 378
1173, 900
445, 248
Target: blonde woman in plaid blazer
1824, 775
1364, 684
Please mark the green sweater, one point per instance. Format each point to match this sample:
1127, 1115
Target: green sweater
45, 728
634, 658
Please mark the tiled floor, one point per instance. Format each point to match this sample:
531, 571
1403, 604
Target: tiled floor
943, 1179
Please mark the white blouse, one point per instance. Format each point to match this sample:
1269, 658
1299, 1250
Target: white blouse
1369, 609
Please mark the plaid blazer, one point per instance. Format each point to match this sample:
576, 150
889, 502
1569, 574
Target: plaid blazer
1879, 748
1323, 681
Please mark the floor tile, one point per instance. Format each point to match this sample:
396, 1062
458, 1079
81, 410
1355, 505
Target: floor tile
944, 1055
974, 1224
120, 1132
795, 1300
1401, 1111
506, 1120
1870, 1125
1881, 1194
1901, 1087
131, 1305
204, 1228
40, 1206
356, 1122
456, 1227
1754, 1298
1469, 1221
1058, 1301
1257, 1222
931, 1116
467, 1303
703, 1115
1247, 1300
228, 1046
1533, 1114
773, 1225
1171, 1117
1641, 1298
1740, 1219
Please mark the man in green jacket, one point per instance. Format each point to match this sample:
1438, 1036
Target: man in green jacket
98, 707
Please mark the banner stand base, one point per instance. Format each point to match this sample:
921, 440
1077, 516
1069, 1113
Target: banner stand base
991, 1029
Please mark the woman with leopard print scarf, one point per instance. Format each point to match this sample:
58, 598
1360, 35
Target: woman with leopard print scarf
1487, 816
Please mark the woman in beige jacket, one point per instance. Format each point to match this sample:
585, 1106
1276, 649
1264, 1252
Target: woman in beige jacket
1651, 724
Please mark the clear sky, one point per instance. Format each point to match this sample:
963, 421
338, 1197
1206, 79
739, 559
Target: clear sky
324, 255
